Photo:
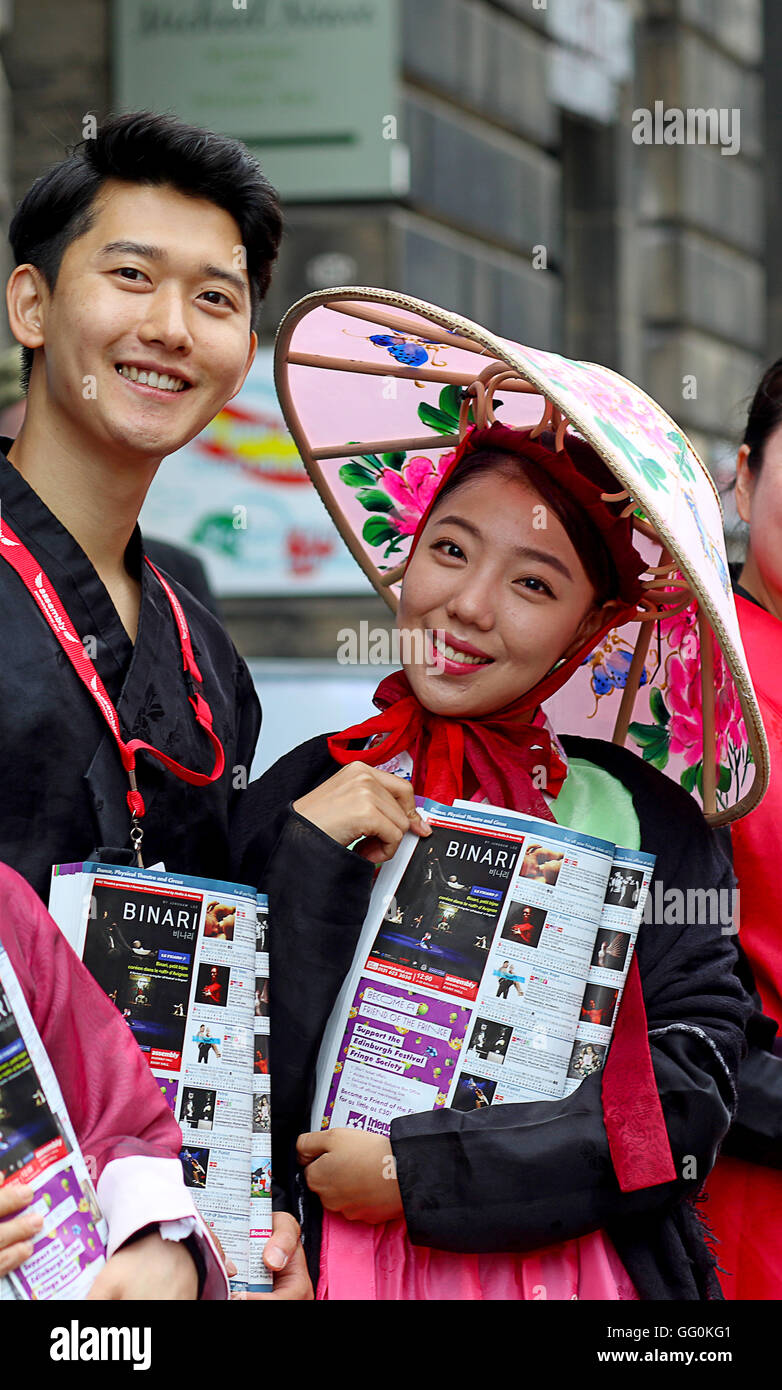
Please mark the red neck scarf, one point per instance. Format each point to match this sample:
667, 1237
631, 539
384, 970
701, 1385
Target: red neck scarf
509, 757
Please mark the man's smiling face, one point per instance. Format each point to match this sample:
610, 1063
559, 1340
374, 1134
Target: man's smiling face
153, 289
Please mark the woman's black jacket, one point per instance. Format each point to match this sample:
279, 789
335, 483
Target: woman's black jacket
515, 1177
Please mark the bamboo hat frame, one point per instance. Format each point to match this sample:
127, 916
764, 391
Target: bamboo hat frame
655, 466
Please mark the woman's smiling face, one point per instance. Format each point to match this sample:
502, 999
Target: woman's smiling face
497, 582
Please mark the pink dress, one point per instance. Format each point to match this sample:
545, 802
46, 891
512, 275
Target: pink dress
378, 1263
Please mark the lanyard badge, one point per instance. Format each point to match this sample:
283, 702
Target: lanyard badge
45, 595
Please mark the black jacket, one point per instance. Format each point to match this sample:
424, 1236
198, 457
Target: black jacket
542, 1170
65, 788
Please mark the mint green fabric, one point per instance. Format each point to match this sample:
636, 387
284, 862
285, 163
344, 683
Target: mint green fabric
593, 801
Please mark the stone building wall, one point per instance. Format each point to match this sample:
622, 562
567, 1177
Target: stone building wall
659, 260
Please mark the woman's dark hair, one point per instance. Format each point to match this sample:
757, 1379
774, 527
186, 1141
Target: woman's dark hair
765, 414
150, 149
587, 540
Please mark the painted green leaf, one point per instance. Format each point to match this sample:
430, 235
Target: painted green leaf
654, 472
645, 733
376, 530
723, 781
651, 469
657, 705
371, 459
374, 499
653, 741
394, 460
450, 402
393, 546
355, 475
682, 460
435, 419
689, 776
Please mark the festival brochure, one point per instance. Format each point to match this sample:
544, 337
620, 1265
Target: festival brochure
185, 961
489, 968
38, 1146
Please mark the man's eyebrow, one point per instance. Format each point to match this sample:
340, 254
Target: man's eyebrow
524, 552
134, 248
156, 253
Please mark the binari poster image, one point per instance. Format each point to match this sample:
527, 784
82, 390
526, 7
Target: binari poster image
440, 922
139, 946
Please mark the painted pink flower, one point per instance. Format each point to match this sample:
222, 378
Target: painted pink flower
686, 704
413, 487
684, 701
681, 631
630, 412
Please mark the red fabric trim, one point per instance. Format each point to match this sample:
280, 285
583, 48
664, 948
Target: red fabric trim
632, 1113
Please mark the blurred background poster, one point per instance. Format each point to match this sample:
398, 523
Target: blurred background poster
239, 498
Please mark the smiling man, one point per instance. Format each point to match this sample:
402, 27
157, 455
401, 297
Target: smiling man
142, 262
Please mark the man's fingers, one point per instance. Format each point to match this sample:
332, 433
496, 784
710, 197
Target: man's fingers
283, 1241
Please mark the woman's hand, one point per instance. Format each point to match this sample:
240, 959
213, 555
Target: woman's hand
285, 1257
18, 1227
361, 801
149, 1269
353, 1173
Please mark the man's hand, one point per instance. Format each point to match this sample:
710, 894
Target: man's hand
150, 1269
353, 1173
18, 1227
285, 1257
361, 801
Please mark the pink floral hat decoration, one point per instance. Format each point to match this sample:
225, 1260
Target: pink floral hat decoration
380, 390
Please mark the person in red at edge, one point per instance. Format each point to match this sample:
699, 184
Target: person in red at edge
745, 1187
159, 1248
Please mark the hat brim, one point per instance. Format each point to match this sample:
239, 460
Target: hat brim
369, 382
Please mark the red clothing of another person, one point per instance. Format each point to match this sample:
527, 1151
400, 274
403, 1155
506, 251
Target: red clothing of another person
745, 1199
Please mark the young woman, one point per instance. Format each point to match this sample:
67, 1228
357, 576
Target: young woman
587, 1196
745, 1189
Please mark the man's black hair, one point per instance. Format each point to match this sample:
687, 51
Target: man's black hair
146, 148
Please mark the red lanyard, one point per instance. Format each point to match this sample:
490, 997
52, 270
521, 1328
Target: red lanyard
41, 589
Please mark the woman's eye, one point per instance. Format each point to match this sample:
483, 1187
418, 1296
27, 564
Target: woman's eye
534, 585
449, 548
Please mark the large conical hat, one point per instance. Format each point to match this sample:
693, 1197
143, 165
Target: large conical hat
377, 389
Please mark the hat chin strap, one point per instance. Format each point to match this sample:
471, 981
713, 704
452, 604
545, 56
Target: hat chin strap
480, 397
